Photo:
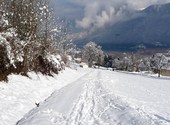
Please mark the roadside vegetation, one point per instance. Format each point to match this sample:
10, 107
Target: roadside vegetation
30, 38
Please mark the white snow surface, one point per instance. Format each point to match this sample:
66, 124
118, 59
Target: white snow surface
101, 97
85, 97
19, 95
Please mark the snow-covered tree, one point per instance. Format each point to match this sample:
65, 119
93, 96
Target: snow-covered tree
64, 43
93, 54
145, 64
27, 37
158, 62
100, 56
10, 47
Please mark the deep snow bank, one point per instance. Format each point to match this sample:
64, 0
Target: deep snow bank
20, 94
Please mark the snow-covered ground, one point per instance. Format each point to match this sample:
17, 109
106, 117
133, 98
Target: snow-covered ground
102, 97
19, 95
85, 97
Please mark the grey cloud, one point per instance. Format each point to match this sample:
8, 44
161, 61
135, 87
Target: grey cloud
93, 14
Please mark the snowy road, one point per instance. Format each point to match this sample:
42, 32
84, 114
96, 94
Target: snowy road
100, 98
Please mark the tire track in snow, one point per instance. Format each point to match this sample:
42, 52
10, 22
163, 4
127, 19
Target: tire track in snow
94, 105
97, 106
83, 111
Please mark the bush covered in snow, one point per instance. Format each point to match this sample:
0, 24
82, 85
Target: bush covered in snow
28, 39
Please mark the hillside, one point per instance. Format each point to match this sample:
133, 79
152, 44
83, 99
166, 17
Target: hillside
148, 28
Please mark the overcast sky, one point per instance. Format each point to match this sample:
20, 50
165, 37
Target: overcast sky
98, 13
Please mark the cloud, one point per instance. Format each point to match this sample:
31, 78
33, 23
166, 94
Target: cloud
94, 14
98, 13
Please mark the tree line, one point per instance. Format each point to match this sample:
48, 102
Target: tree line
135, 62
30, 38
132, 61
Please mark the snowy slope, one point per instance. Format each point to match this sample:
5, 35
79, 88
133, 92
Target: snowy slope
103, 97
19, 95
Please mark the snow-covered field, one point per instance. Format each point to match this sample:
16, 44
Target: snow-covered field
86, 97
19, 95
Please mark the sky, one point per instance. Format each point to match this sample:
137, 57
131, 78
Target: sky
94, 14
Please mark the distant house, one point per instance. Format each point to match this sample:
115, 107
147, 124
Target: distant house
83, 65
161, 64
158, 63
165, 71
78, 60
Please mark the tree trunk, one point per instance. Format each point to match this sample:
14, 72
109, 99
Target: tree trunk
159, 73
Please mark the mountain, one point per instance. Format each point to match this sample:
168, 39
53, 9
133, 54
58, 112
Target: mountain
150, 28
